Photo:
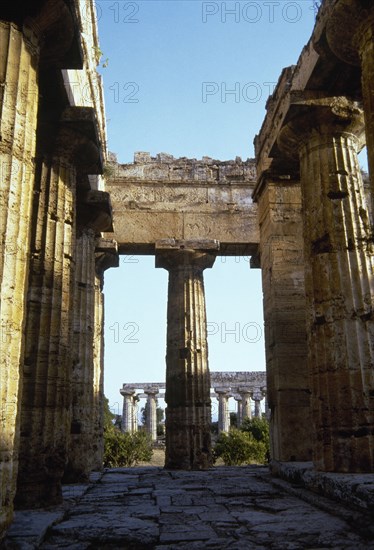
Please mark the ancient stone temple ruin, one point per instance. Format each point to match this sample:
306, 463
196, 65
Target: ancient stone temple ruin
247, 388
301, 210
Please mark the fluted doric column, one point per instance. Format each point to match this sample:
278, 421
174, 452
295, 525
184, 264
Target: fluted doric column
339, 280
188, 412
223, 410
18, 108
93, 217
283, 284
151, 405
82, 361
128, 409
49, 345
48, 350
106, 256
350, 35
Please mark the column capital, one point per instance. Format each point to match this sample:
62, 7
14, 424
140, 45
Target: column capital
348, 26
151, 391
222, 391
94, 210
245, 390
128, 392
106, 255
324, 116
174, 254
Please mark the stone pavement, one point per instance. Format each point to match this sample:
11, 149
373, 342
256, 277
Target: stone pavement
151, 508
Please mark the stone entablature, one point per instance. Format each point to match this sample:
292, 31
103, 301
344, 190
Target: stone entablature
158, 198
233, 380
244, 387
164, 168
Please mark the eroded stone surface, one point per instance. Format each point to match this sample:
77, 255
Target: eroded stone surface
222, 508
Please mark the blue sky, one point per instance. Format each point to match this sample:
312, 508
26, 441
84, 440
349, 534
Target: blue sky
189, 78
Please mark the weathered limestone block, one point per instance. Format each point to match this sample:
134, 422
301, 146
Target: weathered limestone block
282, 263
188, 412
18, 106
339, 281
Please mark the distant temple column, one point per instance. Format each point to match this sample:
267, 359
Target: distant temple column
245, 394
128, 409
282, 267
223, 410
257, 397
151, 405
188, 412
339, 279
19, 60
350, 35
136, 400
266, 405
239, 415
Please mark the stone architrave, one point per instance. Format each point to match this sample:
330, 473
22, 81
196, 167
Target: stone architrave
19, 61
151, 424
188, 412
128, 409
223, 409
339, 279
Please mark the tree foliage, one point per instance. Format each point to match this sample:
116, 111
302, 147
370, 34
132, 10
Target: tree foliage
123, 449
248, 445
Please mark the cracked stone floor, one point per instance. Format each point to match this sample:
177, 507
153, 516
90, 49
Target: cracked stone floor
151, 508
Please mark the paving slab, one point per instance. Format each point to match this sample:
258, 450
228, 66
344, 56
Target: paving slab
223, 508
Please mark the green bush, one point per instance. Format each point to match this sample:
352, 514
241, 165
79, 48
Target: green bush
125, 449
259, 429
248, 445
238, 447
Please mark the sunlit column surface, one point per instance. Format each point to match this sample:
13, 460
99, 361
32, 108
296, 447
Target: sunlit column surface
188, 412
339, 281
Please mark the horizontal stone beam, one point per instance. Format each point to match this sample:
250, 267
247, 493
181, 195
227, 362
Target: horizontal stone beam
161, 198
